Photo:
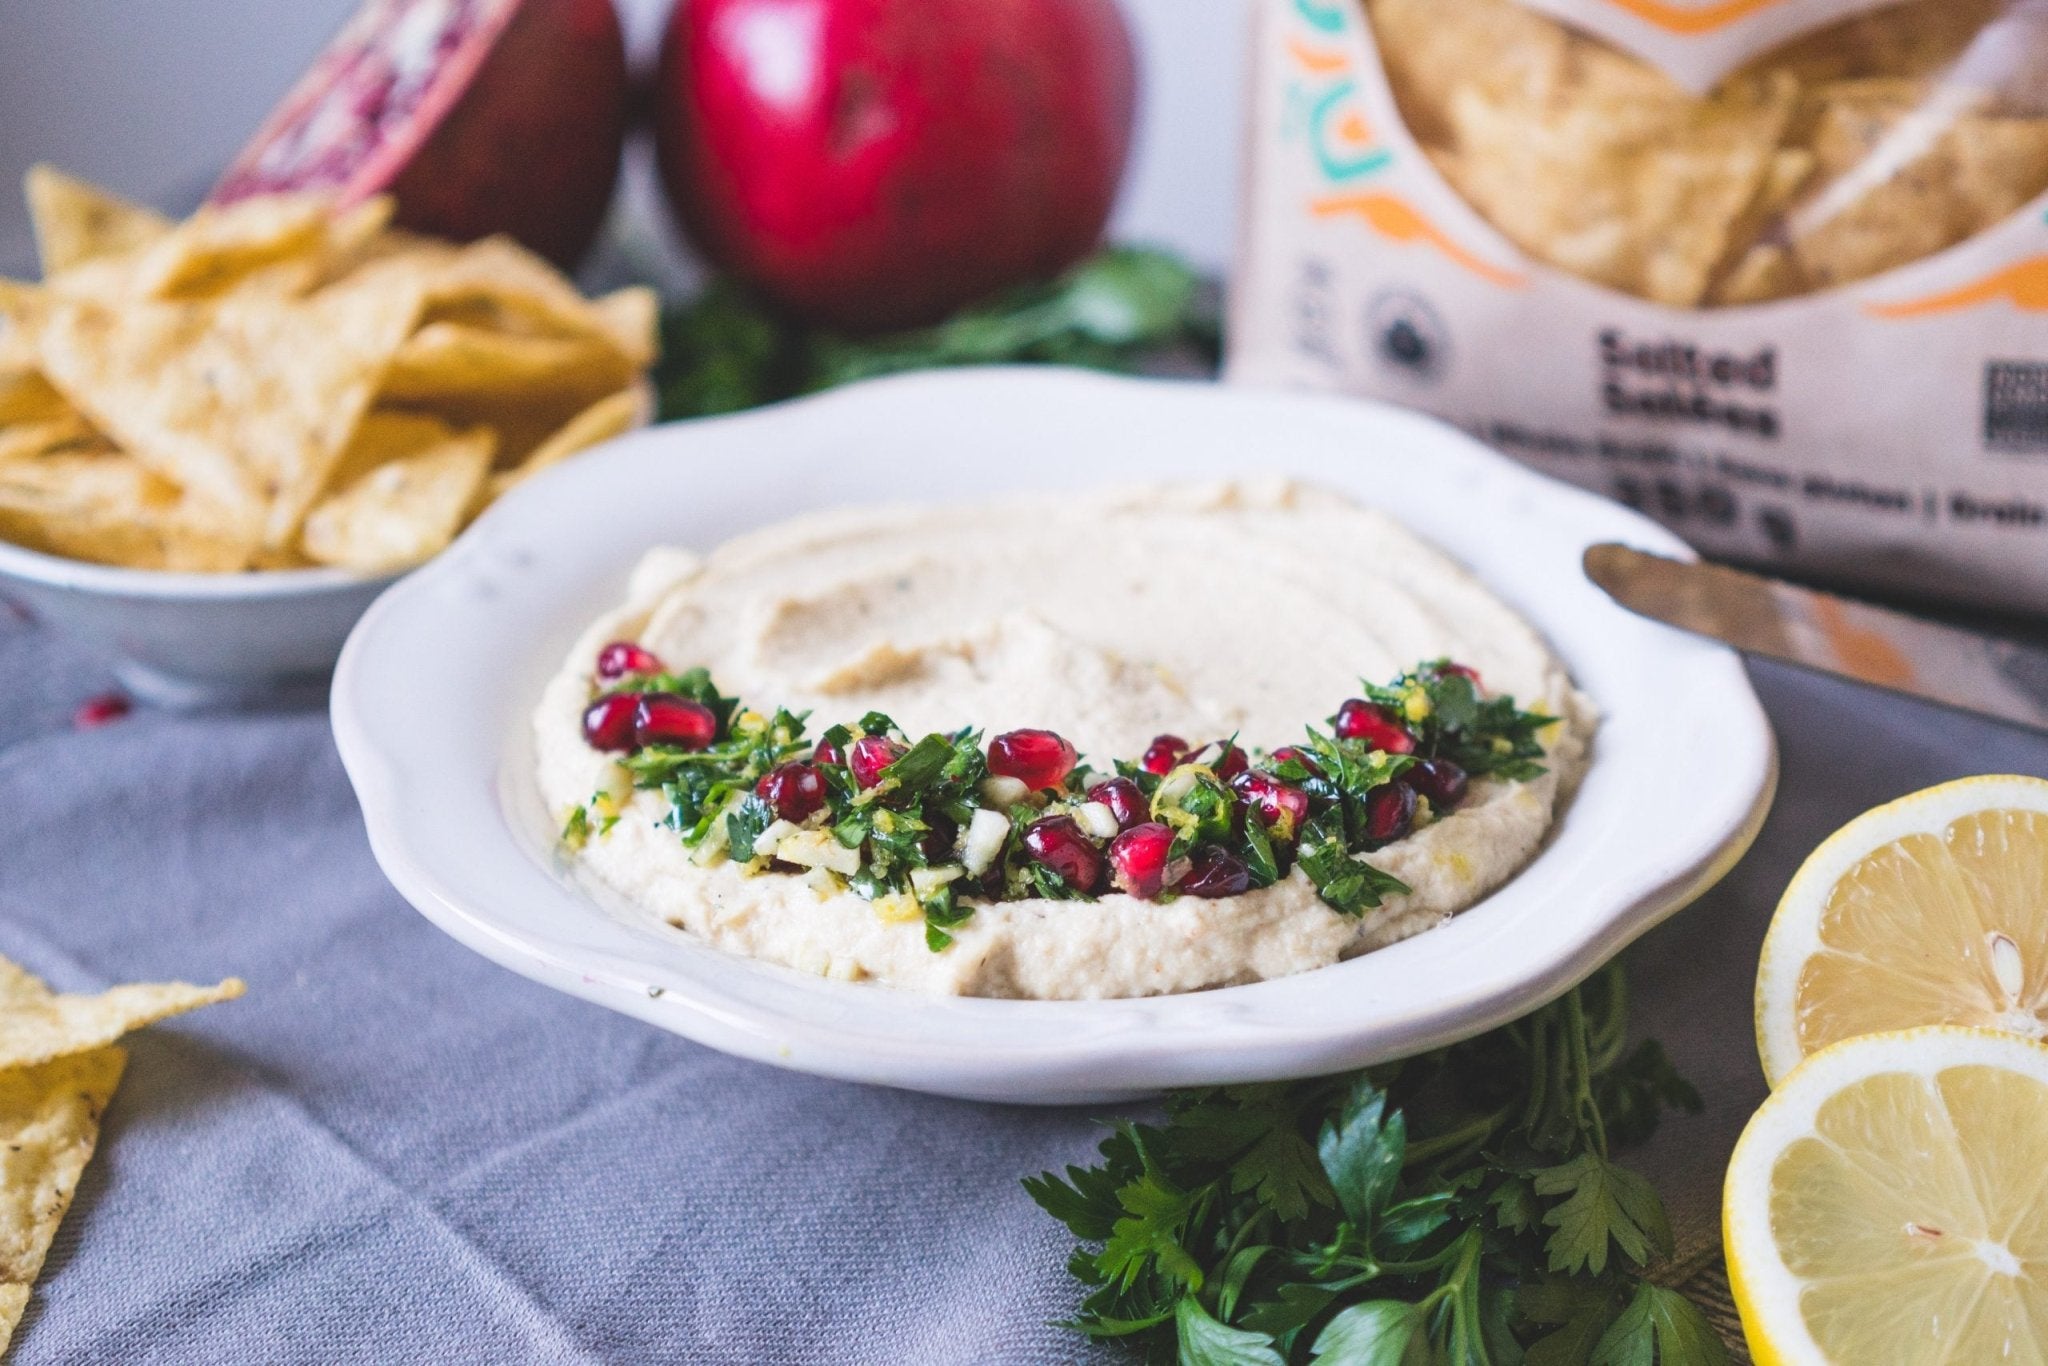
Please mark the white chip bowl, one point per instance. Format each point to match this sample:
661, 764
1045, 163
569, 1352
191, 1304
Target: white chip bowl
184, 640
434, 692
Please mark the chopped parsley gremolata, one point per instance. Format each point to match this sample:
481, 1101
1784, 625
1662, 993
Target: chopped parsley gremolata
928, 829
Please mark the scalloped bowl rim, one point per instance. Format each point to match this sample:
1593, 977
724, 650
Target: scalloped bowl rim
453, 820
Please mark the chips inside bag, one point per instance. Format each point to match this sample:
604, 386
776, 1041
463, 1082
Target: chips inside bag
1775, 273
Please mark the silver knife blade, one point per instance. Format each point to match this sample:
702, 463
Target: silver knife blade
1872, 645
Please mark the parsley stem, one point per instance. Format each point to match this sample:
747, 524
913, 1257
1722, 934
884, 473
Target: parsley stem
1460, 1142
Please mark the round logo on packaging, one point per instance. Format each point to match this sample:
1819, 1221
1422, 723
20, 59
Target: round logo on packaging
1405, 335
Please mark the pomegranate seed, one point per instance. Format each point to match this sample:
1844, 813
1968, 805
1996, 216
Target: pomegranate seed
623, 657
1374, 724
1137, 859
608, 722
1465, 671
870, 755
1058, 844
103, 710
1389, 812
1295, 754
1037, 758
828, 753
1230, 763
1164, 754
1125, 800
1216, 872
795, 790
1281, 807
1440, 780
666, 719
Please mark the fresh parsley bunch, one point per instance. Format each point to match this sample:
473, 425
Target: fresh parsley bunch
1125, 306
1461, 1207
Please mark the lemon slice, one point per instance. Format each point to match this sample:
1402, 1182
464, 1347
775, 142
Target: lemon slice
1931, 910
1888, 1205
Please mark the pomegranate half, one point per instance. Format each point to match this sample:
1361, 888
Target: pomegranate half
481, 116
874, 164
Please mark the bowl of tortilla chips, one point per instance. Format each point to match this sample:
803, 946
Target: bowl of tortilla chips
220, 438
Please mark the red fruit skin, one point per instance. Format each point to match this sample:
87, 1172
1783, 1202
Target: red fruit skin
870, 756
796, 791
529, 146
1037, 758
608, 722
1358, 719
1216, 873
532, 147
1163, 754
102, 710
1058, 843
663, 718
1125, 800
876, 164
1138, 860
623, 657
1389, 812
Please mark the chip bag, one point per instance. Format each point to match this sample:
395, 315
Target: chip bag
1773, 271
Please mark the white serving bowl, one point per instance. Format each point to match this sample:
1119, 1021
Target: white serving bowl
433, 697
196, 639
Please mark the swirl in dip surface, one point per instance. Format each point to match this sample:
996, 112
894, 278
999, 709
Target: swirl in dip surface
1201, 611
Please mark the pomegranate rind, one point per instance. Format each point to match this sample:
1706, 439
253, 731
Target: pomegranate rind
518, 131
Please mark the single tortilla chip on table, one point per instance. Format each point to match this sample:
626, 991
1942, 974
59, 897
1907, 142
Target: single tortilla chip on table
58, 1071
403, 492
37, 1024
76, 222
49, 1125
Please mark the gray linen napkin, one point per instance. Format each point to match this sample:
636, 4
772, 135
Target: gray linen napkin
393, 1150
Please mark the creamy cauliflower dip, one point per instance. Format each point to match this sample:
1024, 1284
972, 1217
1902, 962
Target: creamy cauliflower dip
1061, 747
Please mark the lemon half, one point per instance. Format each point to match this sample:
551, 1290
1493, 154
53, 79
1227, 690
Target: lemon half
1888, 1205
1930, 910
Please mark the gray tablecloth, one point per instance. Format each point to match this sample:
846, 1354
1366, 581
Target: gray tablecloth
393, 1150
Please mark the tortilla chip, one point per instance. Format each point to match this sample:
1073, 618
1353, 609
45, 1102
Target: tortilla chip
408, 503
1906, 178
498, 284
632, 317
1839, 155
49, 1126
282, 237
248, 400
37, 1024
79, 497
455, 360
1642, 203
610, 416
66, 432
76, 222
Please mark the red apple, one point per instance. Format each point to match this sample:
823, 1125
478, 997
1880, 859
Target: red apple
481, 116
875, 164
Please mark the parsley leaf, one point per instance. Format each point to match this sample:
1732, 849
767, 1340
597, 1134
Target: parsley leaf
1659, 1327
1376, 1333
1605, 1205
1361, 1148
1456, 1208
1205, 1342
